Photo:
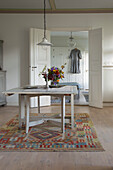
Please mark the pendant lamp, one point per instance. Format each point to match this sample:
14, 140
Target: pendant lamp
44, 41
71, 41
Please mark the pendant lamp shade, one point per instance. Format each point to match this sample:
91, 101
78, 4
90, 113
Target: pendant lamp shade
44, 41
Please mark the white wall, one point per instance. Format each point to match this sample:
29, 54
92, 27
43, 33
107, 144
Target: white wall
14, 30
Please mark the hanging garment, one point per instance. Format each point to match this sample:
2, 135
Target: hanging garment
75, 56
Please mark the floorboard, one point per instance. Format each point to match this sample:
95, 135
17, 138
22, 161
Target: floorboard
103, 122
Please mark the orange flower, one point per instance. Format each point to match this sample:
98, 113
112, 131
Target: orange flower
57, 80
62, 66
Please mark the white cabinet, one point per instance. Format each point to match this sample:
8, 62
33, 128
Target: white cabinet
2, 87
108, 84
1, 54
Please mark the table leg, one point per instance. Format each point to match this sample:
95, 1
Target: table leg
21, 109
63, 114
38, 104
72, 111
27, 114
78, 88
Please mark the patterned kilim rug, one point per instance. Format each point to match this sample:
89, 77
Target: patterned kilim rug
48, 136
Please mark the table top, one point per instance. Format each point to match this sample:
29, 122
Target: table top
41, 90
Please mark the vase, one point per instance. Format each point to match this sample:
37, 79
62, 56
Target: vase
47, 85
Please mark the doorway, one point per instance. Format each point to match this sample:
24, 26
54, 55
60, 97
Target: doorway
63, 42
38, 57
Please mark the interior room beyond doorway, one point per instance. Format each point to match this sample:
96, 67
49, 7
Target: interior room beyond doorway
63, 44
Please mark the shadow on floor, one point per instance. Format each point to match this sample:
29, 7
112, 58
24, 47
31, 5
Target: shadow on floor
81, 99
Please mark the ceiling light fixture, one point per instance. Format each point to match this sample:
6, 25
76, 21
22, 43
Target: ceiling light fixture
71, 41
44, 41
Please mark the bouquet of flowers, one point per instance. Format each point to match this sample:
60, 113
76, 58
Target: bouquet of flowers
54, 74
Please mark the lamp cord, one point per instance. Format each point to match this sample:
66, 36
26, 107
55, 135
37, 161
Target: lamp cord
44, 18
71, 38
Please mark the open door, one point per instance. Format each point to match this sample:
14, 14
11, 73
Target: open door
38, 57
95, 68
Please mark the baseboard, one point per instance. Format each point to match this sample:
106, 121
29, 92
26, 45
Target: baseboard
107, 103
68, 104
12, 104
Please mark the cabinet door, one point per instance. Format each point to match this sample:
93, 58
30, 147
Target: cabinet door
1, 54
108, 84
2, 88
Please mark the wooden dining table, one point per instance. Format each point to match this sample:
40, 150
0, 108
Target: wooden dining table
25, 93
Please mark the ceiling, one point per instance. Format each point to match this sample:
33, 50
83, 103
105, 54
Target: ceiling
79, 34
56, 6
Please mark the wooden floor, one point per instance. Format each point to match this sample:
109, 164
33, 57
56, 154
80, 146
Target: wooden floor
103, 122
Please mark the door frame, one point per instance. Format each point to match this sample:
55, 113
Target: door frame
78, 29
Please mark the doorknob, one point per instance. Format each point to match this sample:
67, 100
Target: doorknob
33, 67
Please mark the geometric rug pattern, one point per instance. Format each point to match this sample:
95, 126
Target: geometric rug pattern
48, 136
